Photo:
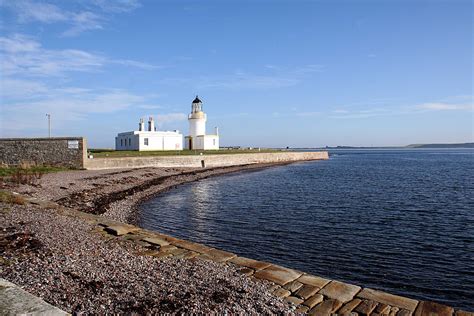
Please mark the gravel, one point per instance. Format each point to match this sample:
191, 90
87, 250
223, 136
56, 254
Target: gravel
64, 261
71, 265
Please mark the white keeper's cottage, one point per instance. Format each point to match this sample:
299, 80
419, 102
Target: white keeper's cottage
151, 139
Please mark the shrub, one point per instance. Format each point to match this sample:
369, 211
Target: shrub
7, 197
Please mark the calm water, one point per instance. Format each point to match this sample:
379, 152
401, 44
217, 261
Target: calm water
395, 220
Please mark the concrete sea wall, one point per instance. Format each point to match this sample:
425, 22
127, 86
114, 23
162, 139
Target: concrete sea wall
220, 160
55, 151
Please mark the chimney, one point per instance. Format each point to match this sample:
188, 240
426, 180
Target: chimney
216, 130
141, 125
151, 124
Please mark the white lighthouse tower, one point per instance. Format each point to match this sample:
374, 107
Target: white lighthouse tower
197, 138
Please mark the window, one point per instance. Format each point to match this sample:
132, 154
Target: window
214, 141
121, 142
145, 141
129, 142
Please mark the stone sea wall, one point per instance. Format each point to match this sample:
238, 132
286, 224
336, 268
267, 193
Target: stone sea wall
220, 160
55, 151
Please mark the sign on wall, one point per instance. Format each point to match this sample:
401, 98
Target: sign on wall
73, 144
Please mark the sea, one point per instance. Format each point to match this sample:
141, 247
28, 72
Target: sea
397, 220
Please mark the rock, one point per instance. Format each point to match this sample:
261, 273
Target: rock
313, 280
166, 248
250, 263
294, 300
326, 308
156, 241
302, 309
217, 255
366, 307
389, 299
293, 286
433, 309
349, 306
404, 312
190, 246
119, 230
281, 292
277, 274
307, 291
246, 271
313, 300
341, 291
464, 313
382, 309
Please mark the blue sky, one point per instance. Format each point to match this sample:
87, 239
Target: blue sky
270, 73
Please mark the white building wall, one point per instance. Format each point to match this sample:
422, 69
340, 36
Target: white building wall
211, 142
156, 141
173, 143
127, 141
203, 142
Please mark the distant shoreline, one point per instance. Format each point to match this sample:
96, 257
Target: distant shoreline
412, 146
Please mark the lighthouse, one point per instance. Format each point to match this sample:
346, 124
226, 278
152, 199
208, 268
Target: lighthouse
197, 138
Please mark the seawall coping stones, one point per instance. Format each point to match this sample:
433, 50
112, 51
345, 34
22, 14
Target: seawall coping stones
326, 308
313, 300
217, 255
277, 274
306, 291
156, 241
433, 309
250, 263
390, 299
313, 280
350, 306
339, 290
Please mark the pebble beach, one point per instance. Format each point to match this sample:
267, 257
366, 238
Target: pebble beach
68, 263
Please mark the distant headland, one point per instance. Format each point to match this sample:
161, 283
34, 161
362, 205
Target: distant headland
456, 145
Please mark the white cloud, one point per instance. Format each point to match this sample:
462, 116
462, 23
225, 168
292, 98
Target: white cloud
446, 106
117, 6
65, 106
31, 11
83, 21
307, 69
308, 114
457, 103
340, 111
17, 88
90, 15
242, 81
24, 56
279, 77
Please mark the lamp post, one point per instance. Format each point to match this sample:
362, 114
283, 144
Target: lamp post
49, 125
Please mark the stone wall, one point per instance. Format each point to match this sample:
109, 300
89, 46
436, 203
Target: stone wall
55, 151
197, 161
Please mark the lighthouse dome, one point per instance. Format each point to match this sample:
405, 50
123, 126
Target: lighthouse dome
197, 100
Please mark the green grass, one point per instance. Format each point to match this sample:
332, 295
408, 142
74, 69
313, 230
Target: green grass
9, 171
101, 153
